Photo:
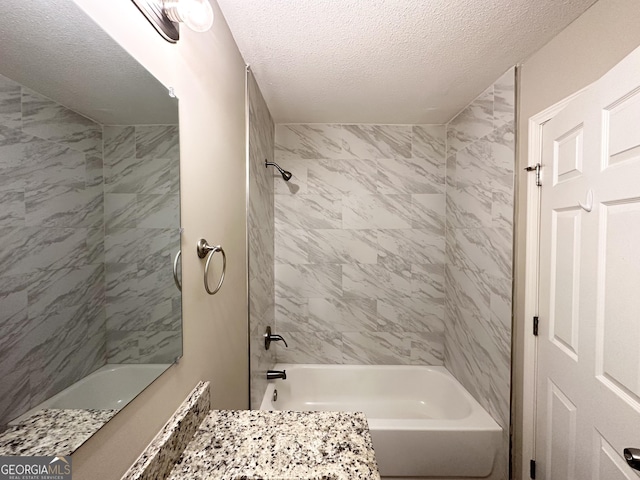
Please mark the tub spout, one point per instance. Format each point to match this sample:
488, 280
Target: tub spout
273, 374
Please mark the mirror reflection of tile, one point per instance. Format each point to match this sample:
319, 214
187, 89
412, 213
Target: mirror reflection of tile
89, 225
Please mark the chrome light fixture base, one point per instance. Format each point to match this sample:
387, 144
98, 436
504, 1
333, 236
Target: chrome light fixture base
153, 10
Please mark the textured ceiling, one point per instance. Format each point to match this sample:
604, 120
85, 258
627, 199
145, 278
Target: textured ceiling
387, 61
54, 48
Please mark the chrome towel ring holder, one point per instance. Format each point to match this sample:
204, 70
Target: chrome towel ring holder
206, 250
175, 270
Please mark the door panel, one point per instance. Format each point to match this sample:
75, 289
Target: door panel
588, 387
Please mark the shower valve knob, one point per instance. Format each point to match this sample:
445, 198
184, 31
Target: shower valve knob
269, 337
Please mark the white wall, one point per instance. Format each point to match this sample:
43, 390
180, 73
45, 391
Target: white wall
207, 73
578, 56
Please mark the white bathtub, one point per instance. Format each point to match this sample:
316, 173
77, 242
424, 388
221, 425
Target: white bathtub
422, 421
109, 387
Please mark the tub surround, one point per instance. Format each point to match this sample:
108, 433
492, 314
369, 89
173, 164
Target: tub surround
53, 431
260, 231
359, 243
479, 245
276, 445
196, 443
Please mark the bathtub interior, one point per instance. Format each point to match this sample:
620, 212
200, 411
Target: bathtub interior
383, 392
111, 387
421, 418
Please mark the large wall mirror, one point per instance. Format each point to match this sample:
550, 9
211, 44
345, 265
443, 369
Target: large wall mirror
89, 227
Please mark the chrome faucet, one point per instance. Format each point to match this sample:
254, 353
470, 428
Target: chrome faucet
273, 374
269, 337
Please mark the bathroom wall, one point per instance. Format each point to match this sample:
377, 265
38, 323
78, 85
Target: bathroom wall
479, 244
142, 221
359, 243
261, 233
208, 75
52, 283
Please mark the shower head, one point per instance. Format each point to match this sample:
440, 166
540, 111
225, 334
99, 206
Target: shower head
286, 175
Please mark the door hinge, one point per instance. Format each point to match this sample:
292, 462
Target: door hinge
532, 468
536, 168
535, 325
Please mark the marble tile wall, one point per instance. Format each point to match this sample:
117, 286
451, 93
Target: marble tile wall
261, 238
52, 283
142, 237
478, 266
360, 243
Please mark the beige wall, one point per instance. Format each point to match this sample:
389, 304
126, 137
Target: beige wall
207, 73
576, 57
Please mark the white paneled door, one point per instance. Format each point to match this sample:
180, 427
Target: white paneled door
588, 378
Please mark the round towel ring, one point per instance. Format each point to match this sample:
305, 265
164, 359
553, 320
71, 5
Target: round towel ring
175, 270
206, 250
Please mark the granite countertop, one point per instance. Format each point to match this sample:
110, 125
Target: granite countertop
52, 431
256, 444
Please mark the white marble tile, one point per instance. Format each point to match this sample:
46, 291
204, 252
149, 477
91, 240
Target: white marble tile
427, 282
307, 211
409, 246
48, 120
159, 347
485, 250
376, 281
342, 314
377, 348
504, 99
136, 314
468, 290
297, 185
312, 347
155, 142
451, 172
37, 162
158, 211
502, 202
51, 290
120, 210
376, 211
474, 122
411, 175
292, 314
409, 314
10, 103
310, 281
14, 256
94, 171
428, 141
291, 246
428, 212
64, 206
119, 144
469, 207
376, 141
13, 206
342, 246
426, 348
121, 281
308, 141
342, 177
58, 337
56, 248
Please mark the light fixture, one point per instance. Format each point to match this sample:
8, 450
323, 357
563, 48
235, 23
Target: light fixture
166, 16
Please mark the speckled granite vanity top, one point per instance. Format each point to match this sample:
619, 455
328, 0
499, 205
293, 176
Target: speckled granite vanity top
279, 445
52, 431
